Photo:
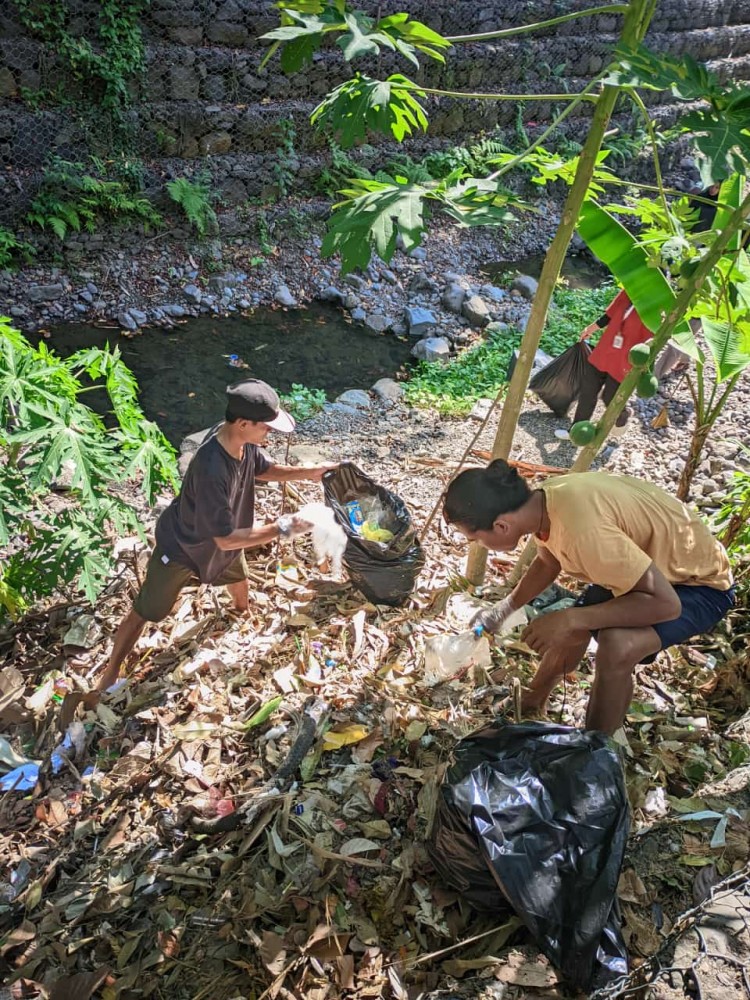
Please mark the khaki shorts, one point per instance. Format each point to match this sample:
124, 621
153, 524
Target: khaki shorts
164, 581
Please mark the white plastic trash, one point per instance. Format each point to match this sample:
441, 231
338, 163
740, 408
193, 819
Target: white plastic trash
446, 655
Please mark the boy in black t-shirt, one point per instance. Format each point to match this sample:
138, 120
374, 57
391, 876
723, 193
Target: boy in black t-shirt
203, 535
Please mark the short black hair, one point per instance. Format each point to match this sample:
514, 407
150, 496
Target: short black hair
231, 418
476, 497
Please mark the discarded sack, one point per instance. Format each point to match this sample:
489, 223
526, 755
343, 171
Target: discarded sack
384, 561
536, 816
559, 384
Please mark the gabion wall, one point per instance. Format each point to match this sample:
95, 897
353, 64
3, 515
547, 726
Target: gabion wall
202, 101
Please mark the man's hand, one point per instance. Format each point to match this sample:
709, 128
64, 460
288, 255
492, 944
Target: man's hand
493, 618
316, 473
292, 526
557, 630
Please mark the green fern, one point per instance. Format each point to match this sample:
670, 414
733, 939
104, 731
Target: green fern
13, 250
194, 198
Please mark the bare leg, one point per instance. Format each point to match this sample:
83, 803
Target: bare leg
620, 649
551, 669
239, 594
125, 638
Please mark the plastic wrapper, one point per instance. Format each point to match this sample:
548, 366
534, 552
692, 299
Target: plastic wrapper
559, 384
385, 571
446, 655
535, 816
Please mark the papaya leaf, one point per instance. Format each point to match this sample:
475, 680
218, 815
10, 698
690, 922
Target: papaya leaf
639, 67
371, 218
359, 104
722, 136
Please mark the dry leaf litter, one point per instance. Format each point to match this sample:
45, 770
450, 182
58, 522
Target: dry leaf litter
165, 851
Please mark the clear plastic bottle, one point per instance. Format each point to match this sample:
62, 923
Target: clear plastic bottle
446, 655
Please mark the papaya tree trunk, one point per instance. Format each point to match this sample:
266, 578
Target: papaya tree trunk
636, 22
695, 452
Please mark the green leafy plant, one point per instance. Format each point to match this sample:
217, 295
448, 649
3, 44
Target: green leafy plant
286, 157
194, 198
303, 403
13, 250
71, 198
103, 70
48, 436
480, 372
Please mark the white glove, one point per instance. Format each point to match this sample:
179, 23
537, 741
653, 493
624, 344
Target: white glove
292, 526
493, 618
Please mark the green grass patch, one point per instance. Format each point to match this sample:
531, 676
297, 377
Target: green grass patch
480, 372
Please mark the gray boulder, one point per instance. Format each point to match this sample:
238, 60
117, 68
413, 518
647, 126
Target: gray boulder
126, 321
526, 285
284, 297
332, 294
419, 320
453, 298
357, 398
45, 293
377, 322
139, 316
492, 293
476, 311
432, 349
192, 293
388, 390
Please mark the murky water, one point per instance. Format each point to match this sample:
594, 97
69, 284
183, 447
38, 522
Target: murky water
183, 373
580, 271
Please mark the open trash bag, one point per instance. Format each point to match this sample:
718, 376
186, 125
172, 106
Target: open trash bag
383, 555
559, 384
536, 816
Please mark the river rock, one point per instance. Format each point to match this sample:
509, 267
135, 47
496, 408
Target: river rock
126, 321
357, 398
432, 349
388, 390
358, 314
476, 311
419, 320
422, 282
480, 409
86, 295
418, 253
285, 298
453, 298
332, 294
492, 293
45, 293
139, 316
377, 322
174, 309
526, 285
192, 293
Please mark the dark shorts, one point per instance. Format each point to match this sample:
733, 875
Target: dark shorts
164, 581
702, 608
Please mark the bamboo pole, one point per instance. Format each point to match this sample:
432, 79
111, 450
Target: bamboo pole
634, 27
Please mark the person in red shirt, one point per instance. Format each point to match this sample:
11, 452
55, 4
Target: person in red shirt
608, 362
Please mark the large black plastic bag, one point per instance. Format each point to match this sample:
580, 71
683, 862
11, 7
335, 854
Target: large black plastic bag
385, 574
536, 815
559, 384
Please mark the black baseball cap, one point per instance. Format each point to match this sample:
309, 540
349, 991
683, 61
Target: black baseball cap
252, 399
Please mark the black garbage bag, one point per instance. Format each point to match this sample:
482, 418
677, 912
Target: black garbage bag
559, 384
385, 573
536, 816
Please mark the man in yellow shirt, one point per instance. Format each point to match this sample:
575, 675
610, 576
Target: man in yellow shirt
656, 575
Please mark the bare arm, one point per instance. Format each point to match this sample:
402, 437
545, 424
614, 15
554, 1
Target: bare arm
651, 601
543, 571
247, 538
292, 473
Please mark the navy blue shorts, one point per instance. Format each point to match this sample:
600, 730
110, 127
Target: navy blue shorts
702, 608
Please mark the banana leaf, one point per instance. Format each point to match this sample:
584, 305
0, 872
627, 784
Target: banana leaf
618, 249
